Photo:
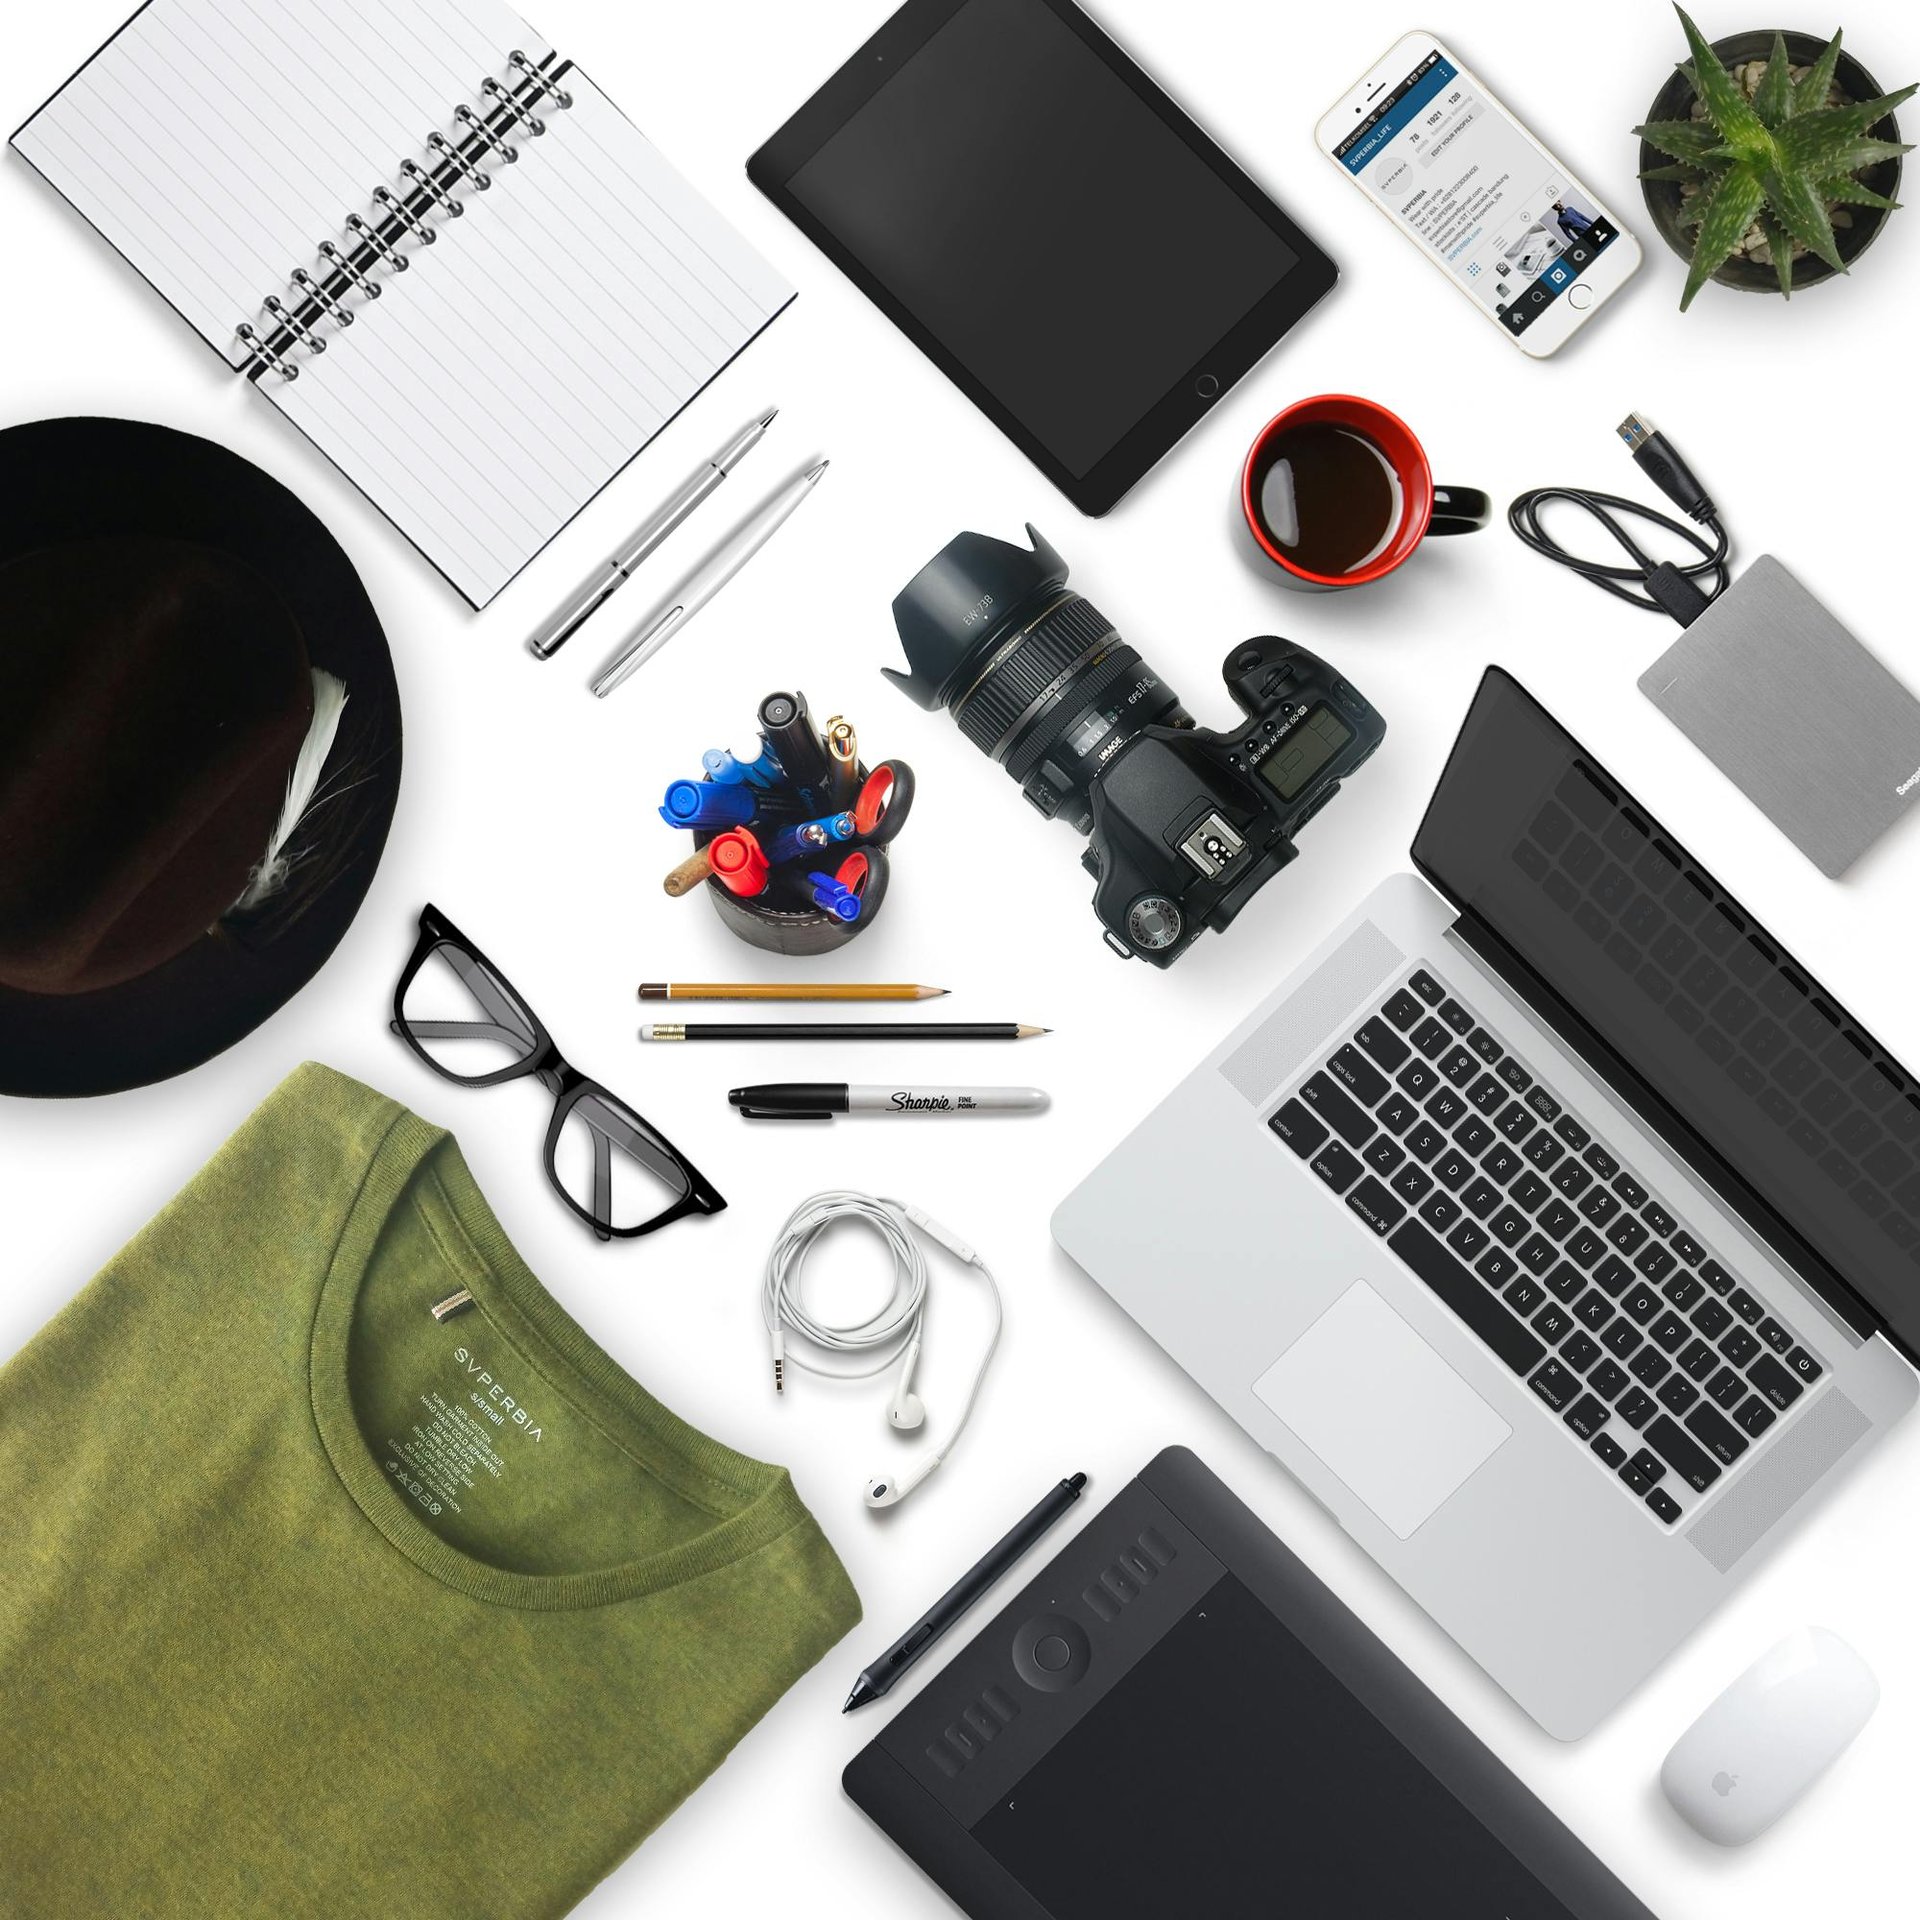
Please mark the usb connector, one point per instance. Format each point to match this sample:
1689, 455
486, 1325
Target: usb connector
1655, 457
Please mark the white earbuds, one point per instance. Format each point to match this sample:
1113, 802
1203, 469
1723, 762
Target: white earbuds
906, 1411
889, 1488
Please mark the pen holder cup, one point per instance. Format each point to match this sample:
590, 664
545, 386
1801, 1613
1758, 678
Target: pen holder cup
777, 922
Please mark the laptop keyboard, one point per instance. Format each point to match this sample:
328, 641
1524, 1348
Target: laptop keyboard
1663, 1365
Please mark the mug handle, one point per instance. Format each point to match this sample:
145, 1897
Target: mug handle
1459, 510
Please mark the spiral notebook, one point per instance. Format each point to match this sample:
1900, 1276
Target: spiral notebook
434, 244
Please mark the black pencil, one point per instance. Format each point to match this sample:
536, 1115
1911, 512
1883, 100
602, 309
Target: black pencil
841, 1030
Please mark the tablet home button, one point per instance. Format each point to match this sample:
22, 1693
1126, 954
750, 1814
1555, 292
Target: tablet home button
1051, 1653
1207, 387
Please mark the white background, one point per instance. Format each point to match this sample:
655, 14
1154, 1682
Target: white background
527, 813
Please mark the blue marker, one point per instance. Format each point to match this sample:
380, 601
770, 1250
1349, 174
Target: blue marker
810, 836
762, 771
708, 803
831, 897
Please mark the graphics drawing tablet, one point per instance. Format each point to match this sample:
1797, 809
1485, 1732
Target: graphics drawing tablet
1047, 226
1176, 1717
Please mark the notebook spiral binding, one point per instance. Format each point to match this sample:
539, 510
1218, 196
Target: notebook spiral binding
408, 210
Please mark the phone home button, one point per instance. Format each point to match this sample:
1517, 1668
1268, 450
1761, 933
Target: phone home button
1207, 387
1579, 298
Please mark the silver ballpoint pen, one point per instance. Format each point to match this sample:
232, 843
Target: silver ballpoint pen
707, 579
604, 582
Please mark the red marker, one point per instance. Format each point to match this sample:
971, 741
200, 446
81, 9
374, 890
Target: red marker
738, 863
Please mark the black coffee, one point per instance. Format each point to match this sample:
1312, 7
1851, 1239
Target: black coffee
1329, 498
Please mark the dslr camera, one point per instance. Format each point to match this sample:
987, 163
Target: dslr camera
1185, 824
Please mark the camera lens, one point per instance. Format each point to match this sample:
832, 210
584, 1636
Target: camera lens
1033, 674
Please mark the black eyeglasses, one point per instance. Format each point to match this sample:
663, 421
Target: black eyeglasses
464, 1018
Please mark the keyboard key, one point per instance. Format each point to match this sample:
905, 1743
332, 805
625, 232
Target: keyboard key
1528, 1191
1516, 1122
1627, 1234
1501, 1164
1599, 1206
1623, 1339
1580, 1351
1557, 1219
1629, 1189
1545, 1152
1427, 987
1468, 1239
1712, 1318
1572, 1132
1383, 1153
1456, 1016
1654, 1261
1486, 1046
1594, 1310
1689, 1461
1398, 1114
1573, 1179
1726, 1389
1635, 1479
1776, 1336
1425, 1141
1774, 1382
1683, 1289
1515, 1075
1650, 1366
1739, 1346
1637, 1407
1641, 1302
1439, 1211
1384, 1045
1473, 1136
1460, 1067
1649, 1466
1688, 1248
1609, 1380
1658, 1218
1376, 1206
1403, 1009
1496, 1268
1612, 1274
1746, 1306
1600, 1160
1537, 1254
1445, 1108
1336, 1166
1721, 1439
1480, 1198
1612, 1453
1804, 1366
1585, 1247
1464, 1295
1486, 1094
1755, 1417
1510, 1226
1697, 1359
1431, 1038
1677, 1393
1716, 1276
1416, 1079
1662, 1505
1298, 1128
1524, 1296
1555, 1385
1668, 1332
1586, 1416
1453, 1169
1552, 1323
1333, 1106
1353, 1068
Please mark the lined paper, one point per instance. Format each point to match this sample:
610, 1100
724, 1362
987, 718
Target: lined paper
518, 361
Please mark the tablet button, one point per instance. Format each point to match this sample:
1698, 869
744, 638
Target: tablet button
1207, 387
1051, 1654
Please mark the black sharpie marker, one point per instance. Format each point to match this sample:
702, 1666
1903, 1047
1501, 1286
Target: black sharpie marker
821, 1100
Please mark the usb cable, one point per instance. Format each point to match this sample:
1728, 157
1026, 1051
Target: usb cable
1660, 586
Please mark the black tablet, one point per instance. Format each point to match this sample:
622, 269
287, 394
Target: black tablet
1047, 226
1176, 1717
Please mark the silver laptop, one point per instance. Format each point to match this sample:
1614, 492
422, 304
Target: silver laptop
1553, 1225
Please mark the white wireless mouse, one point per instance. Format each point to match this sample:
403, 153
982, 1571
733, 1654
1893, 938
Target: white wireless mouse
1769, 1737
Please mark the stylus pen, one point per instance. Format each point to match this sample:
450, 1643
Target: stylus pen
879, 1677
707, 579
842, 1030
821, 1100
604, 582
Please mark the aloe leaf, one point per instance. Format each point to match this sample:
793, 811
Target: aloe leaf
1727, 106
1680, 170
1848, 192
1865, 153
1796, 201
1728, 213
1811, 89
1773, 100
1780, 250
1682, 139
1811, 140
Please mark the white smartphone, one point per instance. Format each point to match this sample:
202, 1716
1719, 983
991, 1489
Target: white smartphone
1505, 221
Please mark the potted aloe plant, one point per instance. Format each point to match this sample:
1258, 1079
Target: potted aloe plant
1769, 161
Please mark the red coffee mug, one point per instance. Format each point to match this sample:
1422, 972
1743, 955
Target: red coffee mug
1424, 507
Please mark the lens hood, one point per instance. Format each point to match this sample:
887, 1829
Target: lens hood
957, 605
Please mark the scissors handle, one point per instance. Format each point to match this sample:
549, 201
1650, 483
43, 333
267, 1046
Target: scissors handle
884, 802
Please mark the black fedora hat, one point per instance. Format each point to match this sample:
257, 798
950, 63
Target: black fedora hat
169, 618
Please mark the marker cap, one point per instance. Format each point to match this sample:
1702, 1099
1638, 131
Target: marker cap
707, 803
738, 863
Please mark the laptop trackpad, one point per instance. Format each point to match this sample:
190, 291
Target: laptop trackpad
1384, 1412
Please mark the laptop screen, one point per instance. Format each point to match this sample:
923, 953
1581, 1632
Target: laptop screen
1532, 837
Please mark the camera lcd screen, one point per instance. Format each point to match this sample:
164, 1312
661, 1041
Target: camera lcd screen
1046, 225
1305, 751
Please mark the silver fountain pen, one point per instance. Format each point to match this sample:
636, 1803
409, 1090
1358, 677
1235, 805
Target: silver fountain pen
604, 582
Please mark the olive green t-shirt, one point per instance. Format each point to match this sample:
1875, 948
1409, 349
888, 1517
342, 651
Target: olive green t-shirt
314, 1604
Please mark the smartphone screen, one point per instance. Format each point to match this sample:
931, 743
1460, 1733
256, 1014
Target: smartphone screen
1496, 209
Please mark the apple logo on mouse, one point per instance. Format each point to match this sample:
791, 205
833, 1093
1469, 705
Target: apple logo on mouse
1724, 1783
